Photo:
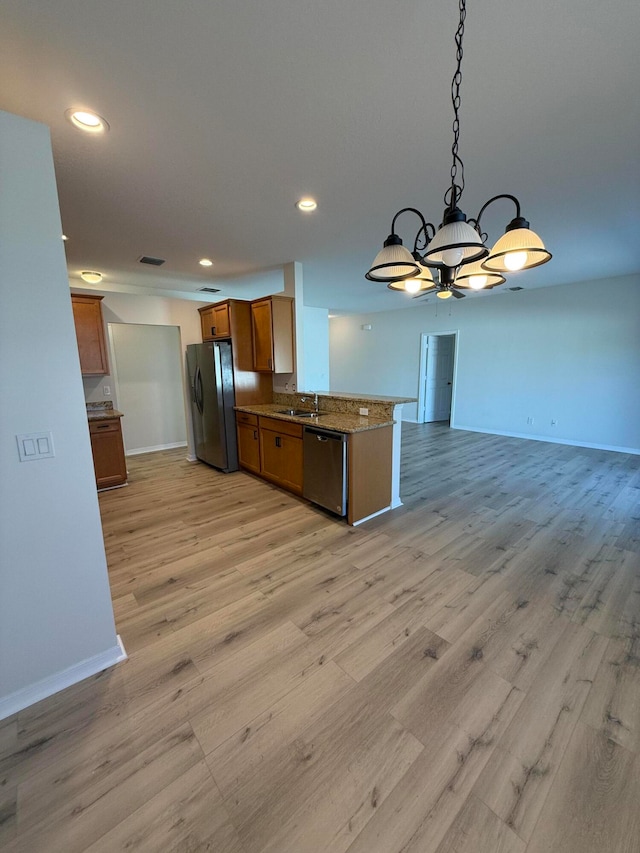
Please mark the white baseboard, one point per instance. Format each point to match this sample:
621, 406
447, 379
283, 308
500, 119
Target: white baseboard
26, 696
373, 515
191, 457
633, 450
138, 450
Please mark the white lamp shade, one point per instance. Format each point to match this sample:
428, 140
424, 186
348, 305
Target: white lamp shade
455, 243
473, 276
418, 284
393, 262
518, 240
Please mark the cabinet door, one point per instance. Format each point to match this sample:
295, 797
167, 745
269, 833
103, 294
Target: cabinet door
207, 323
261, 331
221, 325
215, 322
108, 453
281, 458
249, 447
87, 316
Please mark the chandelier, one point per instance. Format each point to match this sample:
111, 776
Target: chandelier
456, 251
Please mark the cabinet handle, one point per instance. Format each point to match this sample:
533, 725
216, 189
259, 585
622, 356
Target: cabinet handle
103, 426
278, 441
255, 435
213, 330
270, 364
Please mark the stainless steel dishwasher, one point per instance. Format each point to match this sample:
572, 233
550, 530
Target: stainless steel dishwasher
325, 469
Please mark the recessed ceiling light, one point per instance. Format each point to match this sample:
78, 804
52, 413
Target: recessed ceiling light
205, 262
85, 120
306, 205
91, 277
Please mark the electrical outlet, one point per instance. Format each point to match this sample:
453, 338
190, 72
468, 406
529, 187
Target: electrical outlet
529, 420
106, 390
554, 422
364, 411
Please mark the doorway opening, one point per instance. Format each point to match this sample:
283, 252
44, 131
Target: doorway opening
147, 372
436, 392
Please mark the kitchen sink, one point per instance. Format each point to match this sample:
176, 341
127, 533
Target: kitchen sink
298, 413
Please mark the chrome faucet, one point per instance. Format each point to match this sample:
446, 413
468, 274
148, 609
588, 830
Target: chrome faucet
313, 399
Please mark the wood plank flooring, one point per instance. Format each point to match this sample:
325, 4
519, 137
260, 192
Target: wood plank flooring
459, 676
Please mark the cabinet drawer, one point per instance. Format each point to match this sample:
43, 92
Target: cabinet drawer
104, 425
246, 418
282, 427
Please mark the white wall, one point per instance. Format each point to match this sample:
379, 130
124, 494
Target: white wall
149, 310
154, 310
315, 340
570, 353
147, 364
56, 618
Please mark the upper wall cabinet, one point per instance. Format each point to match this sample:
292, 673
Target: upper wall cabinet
272, 333
92, 346
215, 321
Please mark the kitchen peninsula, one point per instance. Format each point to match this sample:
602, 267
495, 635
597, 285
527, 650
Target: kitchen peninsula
270, 442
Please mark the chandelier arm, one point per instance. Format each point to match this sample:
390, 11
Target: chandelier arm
491, 200
427, 237
453, 194
412, 210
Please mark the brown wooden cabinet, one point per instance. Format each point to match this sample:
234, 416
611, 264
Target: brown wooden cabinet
92, 346
248, 442
233, 316
272, 334
215, 321
281, 454
370, 460
108, 452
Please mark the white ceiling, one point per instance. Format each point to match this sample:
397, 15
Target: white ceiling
224, 112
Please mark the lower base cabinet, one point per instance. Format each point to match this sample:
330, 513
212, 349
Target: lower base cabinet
273, 449
281, 453
248, 442
108, 452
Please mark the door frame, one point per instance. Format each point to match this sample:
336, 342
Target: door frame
422, 372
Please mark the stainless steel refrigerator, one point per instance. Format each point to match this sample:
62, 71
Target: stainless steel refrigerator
210, 367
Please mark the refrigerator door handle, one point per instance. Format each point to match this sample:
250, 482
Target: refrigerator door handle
217, 362
197, 389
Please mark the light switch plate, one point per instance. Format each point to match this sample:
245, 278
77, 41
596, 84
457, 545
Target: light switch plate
35, 445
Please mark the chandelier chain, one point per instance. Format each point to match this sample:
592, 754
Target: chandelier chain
452, 196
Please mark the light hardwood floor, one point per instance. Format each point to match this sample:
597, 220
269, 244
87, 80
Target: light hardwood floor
459, 676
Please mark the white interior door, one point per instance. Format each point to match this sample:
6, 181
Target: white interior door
430, 379
443, 378
437, 376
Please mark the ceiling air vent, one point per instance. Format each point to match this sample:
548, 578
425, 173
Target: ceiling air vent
155, 262
208, 290
516, 288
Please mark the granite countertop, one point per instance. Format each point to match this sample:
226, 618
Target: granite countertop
367, 398
335, 421
102, 410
